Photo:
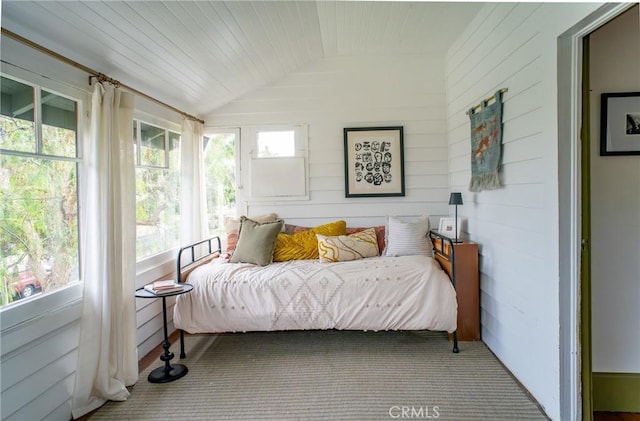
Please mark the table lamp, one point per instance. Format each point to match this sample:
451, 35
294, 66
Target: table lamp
456, 199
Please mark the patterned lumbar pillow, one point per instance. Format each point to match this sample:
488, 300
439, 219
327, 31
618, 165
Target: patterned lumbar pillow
408, 238
304, 245
256, 242
343, 248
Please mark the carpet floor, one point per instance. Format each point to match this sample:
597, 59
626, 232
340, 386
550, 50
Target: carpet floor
329, 375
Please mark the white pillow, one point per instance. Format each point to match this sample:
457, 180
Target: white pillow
408, 238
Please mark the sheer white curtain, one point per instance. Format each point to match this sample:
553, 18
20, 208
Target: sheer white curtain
107, 354
194, 200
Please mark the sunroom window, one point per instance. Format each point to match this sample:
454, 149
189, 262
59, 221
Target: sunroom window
220, 183
157, 189
39, 161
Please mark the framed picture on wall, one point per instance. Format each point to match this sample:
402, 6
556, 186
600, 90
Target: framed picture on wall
620, 123
374, 161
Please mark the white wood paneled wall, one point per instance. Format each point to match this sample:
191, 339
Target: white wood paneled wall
514, 46
356, 91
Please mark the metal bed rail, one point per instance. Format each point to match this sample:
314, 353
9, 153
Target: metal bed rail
195, 258
192, 248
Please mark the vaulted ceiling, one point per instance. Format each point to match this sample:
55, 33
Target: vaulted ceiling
199, 55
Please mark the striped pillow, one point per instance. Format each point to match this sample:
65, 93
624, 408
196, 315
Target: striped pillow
408, 238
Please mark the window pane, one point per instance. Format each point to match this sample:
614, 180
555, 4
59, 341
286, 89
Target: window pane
39, 226
59, 125
174, 150
152, 146
17, 128
276, 144
220, 164
157, 210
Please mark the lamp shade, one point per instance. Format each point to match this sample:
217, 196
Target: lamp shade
455, 199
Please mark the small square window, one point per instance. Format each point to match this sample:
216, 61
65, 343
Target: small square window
276, 144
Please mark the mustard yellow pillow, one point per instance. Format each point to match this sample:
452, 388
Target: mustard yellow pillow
304, 245
342, 248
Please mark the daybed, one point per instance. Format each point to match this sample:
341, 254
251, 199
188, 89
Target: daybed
399, 290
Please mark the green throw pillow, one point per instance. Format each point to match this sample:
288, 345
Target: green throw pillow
256, 242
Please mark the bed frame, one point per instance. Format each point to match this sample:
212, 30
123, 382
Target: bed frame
444, 253
201, 252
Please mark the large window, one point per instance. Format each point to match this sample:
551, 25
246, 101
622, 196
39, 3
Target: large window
220, 180
39, 160
157, 189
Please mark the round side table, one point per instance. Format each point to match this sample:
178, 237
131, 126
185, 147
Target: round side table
169, 372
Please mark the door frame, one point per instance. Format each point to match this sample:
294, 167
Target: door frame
573, 396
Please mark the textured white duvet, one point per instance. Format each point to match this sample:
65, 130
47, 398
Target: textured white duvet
379, 293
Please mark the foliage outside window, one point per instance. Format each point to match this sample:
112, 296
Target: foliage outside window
220, 165
157, 189
39, 187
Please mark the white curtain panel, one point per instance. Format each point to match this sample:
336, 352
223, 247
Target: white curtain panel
107, 354
194, 200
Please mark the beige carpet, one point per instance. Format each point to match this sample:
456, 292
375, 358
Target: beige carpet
329, 375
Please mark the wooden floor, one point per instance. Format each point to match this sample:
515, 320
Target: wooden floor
616, 416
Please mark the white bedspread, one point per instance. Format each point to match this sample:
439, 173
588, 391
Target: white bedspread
380, 293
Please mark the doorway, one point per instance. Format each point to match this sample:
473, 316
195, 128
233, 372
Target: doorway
575, 344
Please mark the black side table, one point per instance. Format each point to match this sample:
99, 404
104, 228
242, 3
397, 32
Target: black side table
169, 372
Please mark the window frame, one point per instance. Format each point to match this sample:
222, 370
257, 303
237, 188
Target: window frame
26, 311
249, 152
240, 209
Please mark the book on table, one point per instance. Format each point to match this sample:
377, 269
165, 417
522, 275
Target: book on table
163, 287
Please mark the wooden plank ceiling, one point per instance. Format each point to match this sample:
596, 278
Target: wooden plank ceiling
199, 55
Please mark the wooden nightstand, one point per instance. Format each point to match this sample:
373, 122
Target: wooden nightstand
467, 275
467, 290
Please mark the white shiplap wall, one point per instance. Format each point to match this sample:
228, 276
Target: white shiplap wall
39, 337
355, 91
514, 46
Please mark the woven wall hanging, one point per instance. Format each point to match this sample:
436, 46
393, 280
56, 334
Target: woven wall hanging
486, 144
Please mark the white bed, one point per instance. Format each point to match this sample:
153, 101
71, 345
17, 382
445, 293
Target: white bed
379, 293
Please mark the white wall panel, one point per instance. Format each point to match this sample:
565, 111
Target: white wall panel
335, 93
514, 46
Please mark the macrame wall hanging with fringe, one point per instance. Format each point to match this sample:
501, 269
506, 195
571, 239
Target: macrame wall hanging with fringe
486, 143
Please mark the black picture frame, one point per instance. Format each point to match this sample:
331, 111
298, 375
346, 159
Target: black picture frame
374, 161
620, 123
